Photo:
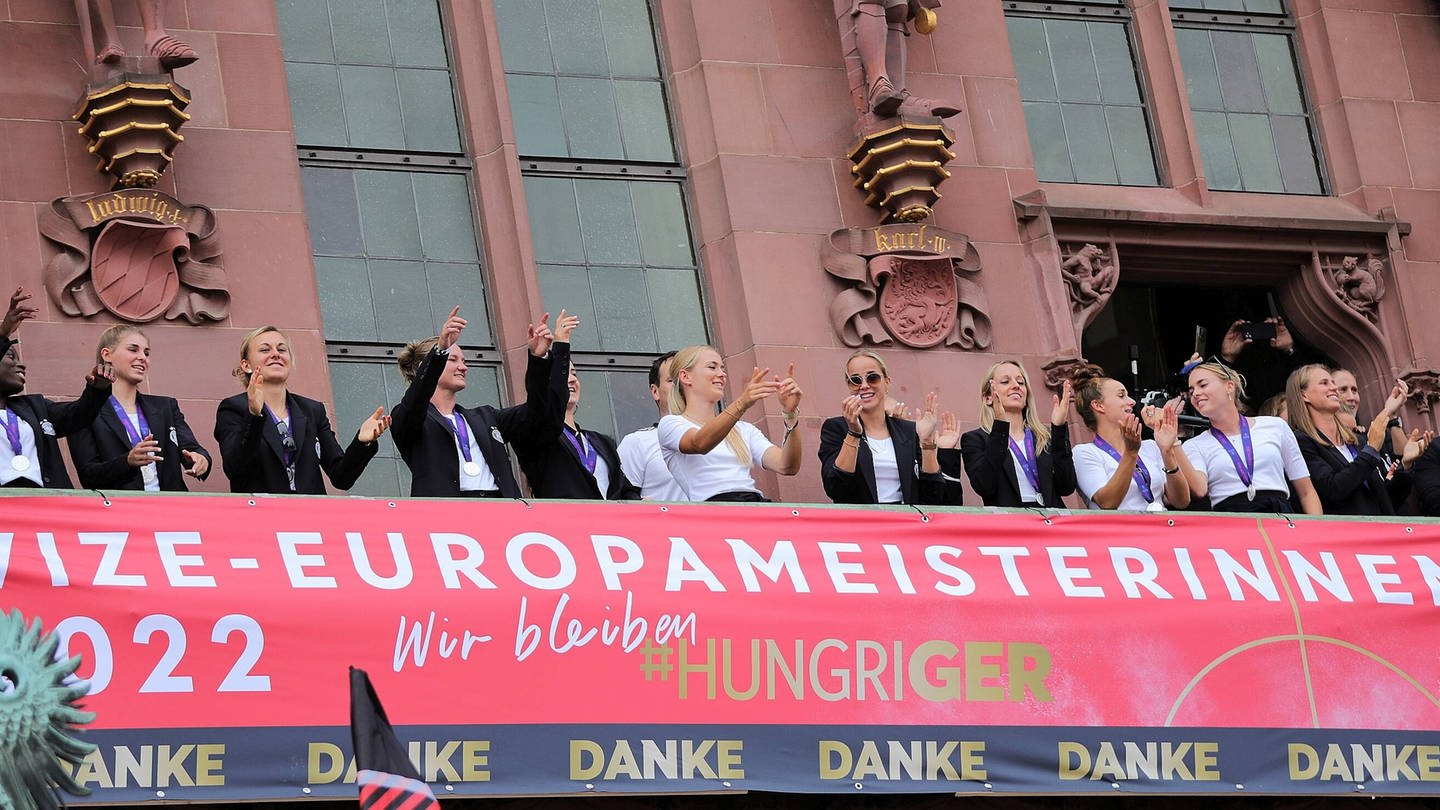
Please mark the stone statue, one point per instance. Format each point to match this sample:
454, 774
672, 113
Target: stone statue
1090, 277
37, 712
171, 52
1360, 287
873, 33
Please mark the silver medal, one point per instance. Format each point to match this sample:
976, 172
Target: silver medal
1155, 506
20, 463
472, 469
1250, 492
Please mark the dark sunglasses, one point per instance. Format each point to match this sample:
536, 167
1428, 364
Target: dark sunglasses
855, 380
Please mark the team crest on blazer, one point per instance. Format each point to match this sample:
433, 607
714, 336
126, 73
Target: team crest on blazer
174, 438
47, 428
317, 448
495, 434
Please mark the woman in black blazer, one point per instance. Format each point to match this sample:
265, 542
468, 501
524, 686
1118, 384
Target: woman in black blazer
141, 441
1351, 478
274, 441
909, 464
570, 462
454, 451
1012, 441
31, 425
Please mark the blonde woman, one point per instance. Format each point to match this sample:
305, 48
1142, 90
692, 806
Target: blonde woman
1015, 458
1242, 463
710, 453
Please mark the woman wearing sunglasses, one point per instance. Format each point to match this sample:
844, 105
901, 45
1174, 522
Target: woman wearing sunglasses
1242, 463
272, 440
1015, 458
867, 456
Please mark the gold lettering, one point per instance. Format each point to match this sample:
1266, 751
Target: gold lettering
835, 759
978, 671
1304, 761
92, 771
728, 763
580, 751
473, 761
208, 765
325, 763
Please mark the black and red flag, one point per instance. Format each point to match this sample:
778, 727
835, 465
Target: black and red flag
384, 773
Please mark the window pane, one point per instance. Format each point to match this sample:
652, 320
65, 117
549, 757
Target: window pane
664, 237
415, 33
623, 309
568, 288
315, 105
1032, 58
1074, 63
1277, 71
554, 222
1118, 84
305, 31
607, 222
595, 411
1201, 79
359, 388
643, 122
1131, 139
1213, 131
1239, 74
628, 38
1297, 154
361, 35
536, 107
1255, 151
630, 400
524, 45
1089, 144
429, 110
345, 300
402, 302
387, 214
675, 304
576, 37
591, 126
447, 230
461, 285
482, 386
1047, 141
334, 215
372, 107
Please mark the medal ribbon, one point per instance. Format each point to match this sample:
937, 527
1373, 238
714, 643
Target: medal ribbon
287, 449
585, 450
462, 434
127, 424
1246, 471
1141, 474
12, 431
1026, 458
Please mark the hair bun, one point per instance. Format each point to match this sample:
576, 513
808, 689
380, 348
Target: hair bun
1086, 373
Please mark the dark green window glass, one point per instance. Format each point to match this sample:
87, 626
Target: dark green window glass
1083, 108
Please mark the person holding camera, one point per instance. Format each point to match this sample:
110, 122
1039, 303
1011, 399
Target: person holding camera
1119, 470
1264, 353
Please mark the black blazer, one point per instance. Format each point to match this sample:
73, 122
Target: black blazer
427, 441
50, 420
1426, 478
554, 469
1350, 487
916, 487
99, 451
992, 473
254, 458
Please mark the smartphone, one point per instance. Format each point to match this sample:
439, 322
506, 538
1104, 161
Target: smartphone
1200, 340
1257, 330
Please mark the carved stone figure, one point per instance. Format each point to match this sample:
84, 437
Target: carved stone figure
37, 716
872, 34
908, 283
159, 43
1090, 278
1360, 286
1424, 388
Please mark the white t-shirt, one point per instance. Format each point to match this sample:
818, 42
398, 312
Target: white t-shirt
149, 474
644, 464
702, 477
887, 470
8, 472
1028, 494
1094, 467
1277, 458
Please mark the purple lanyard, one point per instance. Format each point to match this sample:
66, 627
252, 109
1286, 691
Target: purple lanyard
462, 433
287, 450
1026, 458
1246, 471
1141, 475
585, 450
12, 431
127, 424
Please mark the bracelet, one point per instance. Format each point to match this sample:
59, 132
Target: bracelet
855, 434
924, 446
1170, 470
791, 416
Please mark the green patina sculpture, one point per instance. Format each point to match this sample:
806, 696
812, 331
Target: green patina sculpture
37, 715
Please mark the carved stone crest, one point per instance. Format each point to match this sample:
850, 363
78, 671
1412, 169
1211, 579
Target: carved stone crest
1358, 283
908, 283
1091, 275
1424, 387
138, 253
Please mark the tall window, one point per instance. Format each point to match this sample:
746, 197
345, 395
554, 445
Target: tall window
1251, 118
388, 197
604, 191
1083, 105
